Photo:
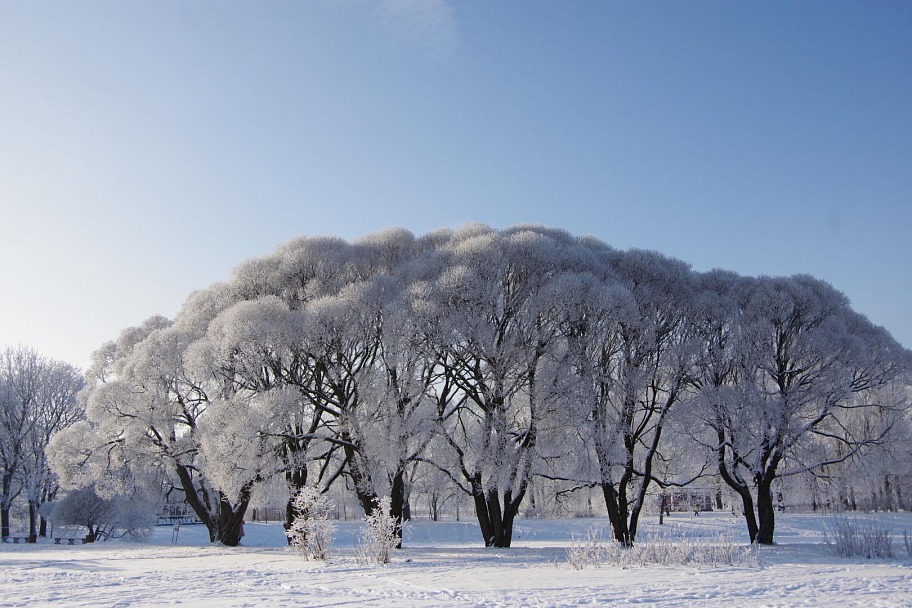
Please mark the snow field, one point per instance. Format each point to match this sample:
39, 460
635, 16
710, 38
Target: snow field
444, 565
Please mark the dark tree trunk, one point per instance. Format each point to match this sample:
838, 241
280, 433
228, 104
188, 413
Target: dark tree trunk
765, 509
297, 479
231, 517
225, 527
494, 519
481, 512
740, 488
397, 502
363, 490
5, 500
643, 486
750, 518
33, 521
46, 497
616, 515
192, 498
511, 508
5, 521
495, 516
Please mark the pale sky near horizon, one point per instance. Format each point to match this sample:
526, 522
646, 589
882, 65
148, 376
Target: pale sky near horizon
147, 148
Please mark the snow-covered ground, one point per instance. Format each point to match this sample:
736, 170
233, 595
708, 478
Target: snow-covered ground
443, 565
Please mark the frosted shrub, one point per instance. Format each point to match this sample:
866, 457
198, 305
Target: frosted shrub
907, 542
311, 532
859, 537
381, 535
130, 516
720, 551
586, 552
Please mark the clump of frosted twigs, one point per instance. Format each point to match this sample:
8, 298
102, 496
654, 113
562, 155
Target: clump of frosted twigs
859, 537
311, 532
592, 551
381, 535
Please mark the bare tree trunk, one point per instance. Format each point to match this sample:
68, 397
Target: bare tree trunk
363, 490
481, 511
510, 510
5, 521
397, 501
495, 515
297, 479
496, 519
5, 500
33, 521
747, 502
616, 515
765, 509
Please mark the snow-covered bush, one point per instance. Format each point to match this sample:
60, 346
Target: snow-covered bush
859, 537
380, 535
119, 516
311, 531
662, 551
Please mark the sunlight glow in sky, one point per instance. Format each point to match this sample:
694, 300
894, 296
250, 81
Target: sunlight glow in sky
149, 147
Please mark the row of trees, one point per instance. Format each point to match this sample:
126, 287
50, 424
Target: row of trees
37, 399
489, 357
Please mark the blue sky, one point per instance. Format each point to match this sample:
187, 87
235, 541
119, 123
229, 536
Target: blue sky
146, 148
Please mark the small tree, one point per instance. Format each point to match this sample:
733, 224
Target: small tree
104, 517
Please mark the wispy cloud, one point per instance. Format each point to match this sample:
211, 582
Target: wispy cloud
427, 25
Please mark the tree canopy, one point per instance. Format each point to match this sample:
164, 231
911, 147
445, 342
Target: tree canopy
491, 357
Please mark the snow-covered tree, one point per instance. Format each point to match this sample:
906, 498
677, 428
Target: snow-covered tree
55, 408
789, 384
492, 344
146, 409
630, 352
484, 358
104, 518
37, 399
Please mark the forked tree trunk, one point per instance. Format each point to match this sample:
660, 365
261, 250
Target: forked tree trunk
363, 487
495, 519
481, 511
231, 518
488, 513
224, 525
750, 518
740, 488
617, 515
